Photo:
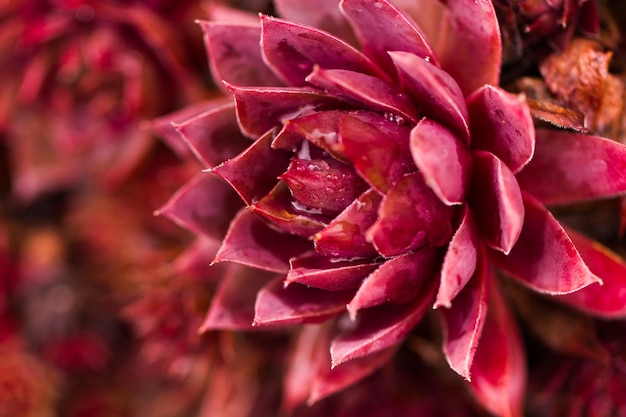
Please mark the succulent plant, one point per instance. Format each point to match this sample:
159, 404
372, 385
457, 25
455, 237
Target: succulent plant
359, 187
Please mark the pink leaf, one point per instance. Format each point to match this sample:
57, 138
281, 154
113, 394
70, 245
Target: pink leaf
317, 271
381, 27
254, 172
195, 260
249, 241
496, 200
571, 167
292, 50
260, 109
320, 128
544, 258
203, 205
363, 135
459, 263
278, 207
396, 281
322, 14
232, 307
296, 303
345, 235
608, 300
410, 217
205, 133
375, 93
381, 327
443, 159
434, 91
463, 321
501, 124
235, 55
471, 47
499, 367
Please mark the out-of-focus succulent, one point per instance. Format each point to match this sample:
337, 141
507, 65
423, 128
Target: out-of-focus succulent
78, 77
380, 182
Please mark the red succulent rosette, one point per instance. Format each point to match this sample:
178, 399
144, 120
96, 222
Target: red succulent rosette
379, 182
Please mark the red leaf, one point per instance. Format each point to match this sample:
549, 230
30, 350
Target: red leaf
544, 258
499, 367
571, 167
322, 14
443, 159
501, 124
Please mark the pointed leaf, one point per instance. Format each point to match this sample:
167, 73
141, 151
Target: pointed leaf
496, 200
345, 235
435, 92
292, 50
382, 27
232, 307
279, 207
296, 303
235, 55
410, 217
444, 161
609, 299
463, 322
203, 205
363, 136
381, 327
544, 258
501, 124
471, 50
459, 263
195, 260
499, 367
396, 281
254, 172
314, 270
322, 14
571, 167
260, 109
321, 129
250, 241
324, 184
374, 92
213, 136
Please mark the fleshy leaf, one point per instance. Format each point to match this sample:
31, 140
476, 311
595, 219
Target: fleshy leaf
463, 322
443, 159
314, 270
253, 173
608, 300
279, 208
435, 92
410, 217
322, 14
260, 109
363, 136
296, 303
235, 55
381, 327
459, 263
345, 235
396, 281
571, 167
232, 307
501, 124
249, 241
381, 27
375, 93
292, 50
195, 260
213, 136
544, 258
321, 129
325, 184
471, 50
496, 200
203, 205
499, 367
